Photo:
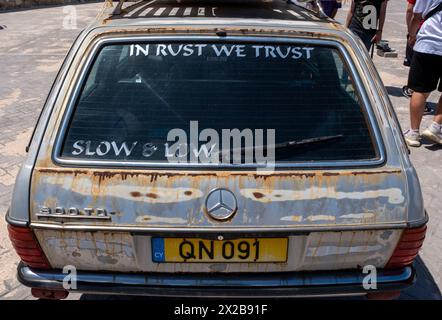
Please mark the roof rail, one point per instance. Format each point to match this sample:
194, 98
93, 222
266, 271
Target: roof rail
312, 5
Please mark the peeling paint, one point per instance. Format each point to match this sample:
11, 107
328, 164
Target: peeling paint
367, 215
394, 195
155, 219
321, 218
335, 250
292, 218
107, 260
153, 195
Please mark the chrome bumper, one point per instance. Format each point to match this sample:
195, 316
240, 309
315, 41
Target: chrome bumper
293, 284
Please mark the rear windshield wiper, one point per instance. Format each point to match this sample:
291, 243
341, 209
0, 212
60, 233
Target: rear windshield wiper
295, 143
283, 145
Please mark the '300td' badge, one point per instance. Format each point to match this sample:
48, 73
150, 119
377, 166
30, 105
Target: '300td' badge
73, 213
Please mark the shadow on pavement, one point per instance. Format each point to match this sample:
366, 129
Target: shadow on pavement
424, 288
394, 91
397, 92
434, 147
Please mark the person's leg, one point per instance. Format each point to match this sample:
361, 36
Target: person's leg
434, 132
406, 91
417, 105
422, 79
438, 114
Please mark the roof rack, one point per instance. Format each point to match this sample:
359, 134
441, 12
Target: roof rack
311, 5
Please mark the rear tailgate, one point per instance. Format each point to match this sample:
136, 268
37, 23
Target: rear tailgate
105, 186
140, 204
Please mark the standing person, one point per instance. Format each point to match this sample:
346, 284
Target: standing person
407, 92
331, 7
426, 69
360, 20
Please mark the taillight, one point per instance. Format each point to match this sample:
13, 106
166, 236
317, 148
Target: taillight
408, 247
27, 247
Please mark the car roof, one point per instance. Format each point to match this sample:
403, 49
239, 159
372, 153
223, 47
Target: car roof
137, 12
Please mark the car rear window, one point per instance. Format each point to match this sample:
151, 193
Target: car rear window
134, 94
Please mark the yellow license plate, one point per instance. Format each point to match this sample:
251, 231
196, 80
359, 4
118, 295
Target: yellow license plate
204, 250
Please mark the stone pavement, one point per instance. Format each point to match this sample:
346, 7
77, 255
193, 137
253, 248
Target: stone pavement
33, 44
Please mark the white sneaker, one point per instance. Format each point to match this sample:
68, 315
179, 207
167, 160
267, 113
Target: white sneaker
412, 138
433, 134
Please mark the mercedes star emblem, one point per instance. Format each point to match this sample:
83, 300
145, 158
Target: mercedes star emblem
221, 204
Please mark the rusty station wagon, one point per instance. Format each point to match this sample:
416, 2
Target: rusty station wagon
103, 192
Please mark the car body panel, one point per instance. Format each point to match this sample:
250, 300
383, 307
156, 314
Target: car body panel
126, 252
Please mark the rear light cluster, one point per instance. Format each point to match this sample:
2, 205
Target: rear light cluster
27, 247
408, 247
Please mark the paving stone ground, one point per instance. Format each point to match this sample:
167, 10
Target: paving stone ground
33, 44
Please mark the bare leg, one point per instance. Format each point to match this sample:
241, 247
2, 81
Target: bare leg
433, 132
417, 106
438, 114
